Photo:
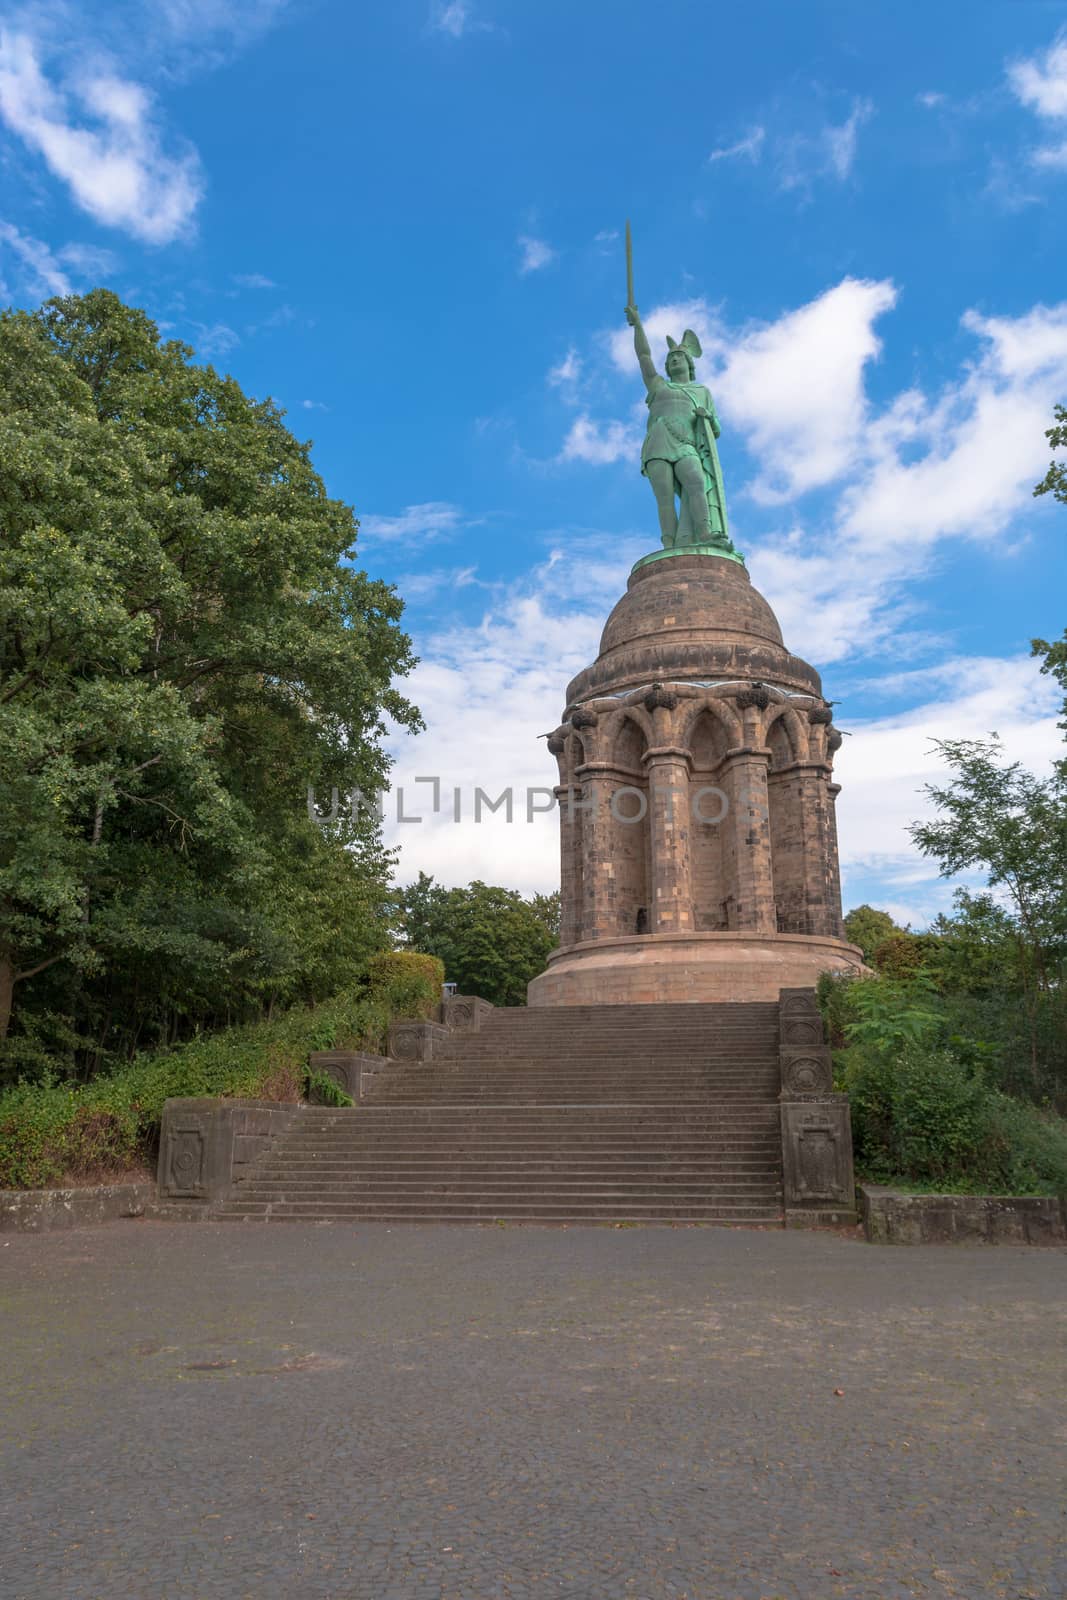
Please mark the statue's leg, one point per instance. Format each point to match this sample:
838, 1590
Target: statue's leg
691, 478
660, 475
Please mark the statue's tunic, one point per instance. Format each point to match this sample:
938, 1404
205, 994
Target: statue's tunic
682, 422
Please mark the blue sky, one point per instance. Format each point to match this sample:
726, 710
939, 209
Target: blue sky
404, 222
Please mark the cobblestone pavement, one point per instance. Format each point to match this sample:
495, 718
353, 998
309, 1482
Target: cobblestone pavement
441, 1413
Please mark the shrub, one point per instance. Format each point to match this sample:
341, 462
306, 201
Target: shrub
409, 983
922, 1116
326, 1091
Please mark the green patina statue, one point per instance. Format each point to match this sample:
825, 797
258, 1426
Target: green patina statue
679, 457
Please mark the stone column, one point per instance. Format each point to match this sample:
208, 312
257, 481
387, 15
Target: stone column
570, 843
671, 910
598, 911
570, 865
813, 869
747, 842
835, 921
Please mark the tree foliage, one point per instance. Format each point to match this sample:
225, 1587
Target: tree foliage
185, 646
491, 940
869, 928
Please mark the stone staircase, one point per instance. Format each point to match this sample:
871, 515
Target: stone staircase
644, 1113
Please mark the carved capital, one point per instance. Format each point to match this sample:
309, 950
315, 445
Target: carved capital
758, 695
821, 716
583, 718
557, 742
657, 697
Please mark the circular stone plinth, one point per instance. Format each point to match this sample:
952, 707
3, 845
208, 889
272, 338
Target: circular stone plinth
688, 967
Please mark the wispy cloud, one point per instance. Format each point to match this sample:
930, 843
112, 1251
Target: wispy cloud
418, 524
423, 585
1040, 84
89, 261
253, 280
535, 254
98, 134
567, 373
38, 268
314, 405
749, 148
829, 153
452, 17
215, 340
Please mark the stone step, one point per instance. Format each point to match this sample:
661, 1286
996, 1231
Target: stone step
490, 1193
581, 1161
516, 1171
444, 1211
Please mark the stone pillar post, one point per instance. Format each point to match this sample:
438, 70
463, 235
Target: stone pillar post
835, 920
598, 912
570, 865
821, 912
671, 910
570, 840
747, 842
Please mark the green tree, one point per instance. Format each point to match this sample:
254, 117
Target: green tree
185, 646
491, 940
1013, 826
869, 928
1054, 482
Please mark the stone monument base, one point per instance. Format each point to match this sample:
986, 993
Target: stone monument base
650, 968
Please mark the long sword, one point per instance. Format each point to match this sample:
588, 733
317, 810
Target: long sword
629, 266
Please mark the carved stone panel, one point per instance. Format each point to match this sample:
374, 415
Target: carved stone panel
800, 1020
817, 1153
183, 1164
806, 1072
464, 1011
414, 1041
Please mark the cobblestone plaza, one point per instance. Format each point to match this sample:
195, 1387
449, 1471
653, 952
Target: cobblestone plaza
437, 1413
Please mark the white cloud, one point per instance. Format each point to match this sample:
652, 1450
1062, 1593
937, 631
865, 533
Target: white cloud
98, 134
433, 519
1040, 84
930, 99
421, 585
253, 280
536, 254
963, 462
89, 261
520, 655
454, 17
38, 268
829, 153
314, 405
216, 340
568, 371
749, 148
242, 19
887, 761
600, 443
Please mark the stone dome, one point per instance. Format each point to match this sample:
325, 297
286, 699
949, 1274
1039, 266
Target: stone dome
691, 618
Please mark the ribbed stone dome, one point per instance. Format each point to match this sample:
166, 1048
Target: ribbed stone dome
691, 618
